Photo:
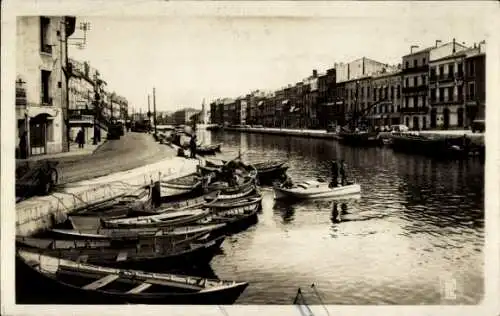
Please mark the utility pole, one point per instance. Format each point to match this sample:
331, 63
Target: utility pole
149, 111
154, 108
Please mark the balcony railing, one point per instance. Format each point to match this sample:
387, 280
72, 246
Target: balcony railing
445, 102
423, 68
415, 110
420, 88
447, 77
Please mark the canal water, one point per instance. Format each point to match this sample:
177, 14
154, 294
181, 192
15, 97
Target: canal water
414, 236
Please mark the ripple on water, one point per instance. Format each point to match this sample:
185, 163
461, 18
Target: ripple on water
417, 221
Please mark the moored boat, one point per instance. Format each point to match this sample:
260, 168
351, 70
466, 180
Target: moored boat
165, 219
211, 149
235, 203
267, 171
181, 185
141, 200
312, 189
365, 139
147, 253
121, 234
76, 282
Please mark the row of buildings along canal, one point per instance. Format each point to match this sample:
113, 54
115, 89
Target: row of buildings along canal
439, 87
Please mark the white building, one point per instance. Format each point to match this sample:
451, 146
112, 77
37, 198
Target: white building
40, 83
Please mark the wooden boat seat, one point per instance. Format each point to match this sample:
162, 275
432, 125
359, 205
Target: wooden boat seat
101, 282
140, 288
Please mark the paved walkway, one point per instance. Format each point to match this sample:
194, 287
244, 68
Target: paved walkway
73, 154
130, 151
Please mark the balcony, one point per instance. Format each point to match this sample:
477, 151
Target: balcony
446, 78
414, 110
459, 100
420, 88
410, 70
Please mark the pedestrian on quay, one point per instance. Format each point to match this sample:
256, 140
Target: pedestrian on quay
335, 174
192, 146
343, 179
80, 138
23, 145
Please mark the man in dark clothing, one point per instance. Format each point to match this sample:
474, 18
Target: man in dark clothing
335, 174
342, 173
192, 146
80, 138
23, 145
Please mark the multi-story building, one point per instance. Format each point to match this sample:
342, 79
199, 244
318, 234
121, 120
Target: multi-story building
415, 111
385, 99
475, 83
449, 87
359, 68
40, 83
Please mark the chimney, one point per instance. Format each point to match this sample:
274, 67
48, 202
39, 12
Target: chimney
454, 50
315, 73
438, 42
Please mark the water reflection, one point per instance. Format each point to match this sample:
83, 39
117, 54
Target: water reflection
414, 214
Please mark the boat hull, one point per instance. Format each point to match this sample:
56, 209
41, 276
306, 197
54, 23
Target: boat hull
33, 287
322, 192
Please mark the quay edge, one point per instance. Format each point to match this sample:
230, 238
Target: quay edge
476, 138
40, 212
285, 132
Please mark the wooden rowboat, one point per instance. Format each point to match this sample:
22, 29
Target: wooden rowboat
136, 233
165, 219
267, 171
152, 254
182, 185
208, 149
76, 282
140, 200
313, 189
235, 203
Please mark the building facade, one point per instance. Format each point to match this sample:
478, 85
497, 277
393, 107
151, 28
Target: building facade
184, 116
40, 83
475, 83
416, 112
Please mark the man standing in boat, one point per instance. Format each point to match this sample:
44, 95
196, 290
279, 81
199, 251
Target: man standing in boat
343, 179
335, 174
192, 146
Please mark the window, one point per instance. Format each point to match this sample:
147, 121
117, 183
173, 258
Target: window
460, 69
415, 101
450, 94
407, 65
415, 63
399, 91
407, 101
451, 70
424, 61
44, 35
472, 90
424, 101
441, 94
415, 81
407, 82
460, 93
367, 92
433, 95
441, 71
423, 79
471, 69
45, 87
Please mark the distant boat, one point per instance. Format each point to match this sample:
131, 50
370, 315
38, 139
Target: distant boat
208, 149
76, 282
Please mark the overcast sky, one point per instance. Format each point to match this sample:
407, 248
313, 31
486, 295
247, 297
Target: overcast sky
190, 58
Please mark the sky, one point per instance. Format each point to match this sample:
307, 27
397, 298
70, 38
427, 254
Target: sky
191, 58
